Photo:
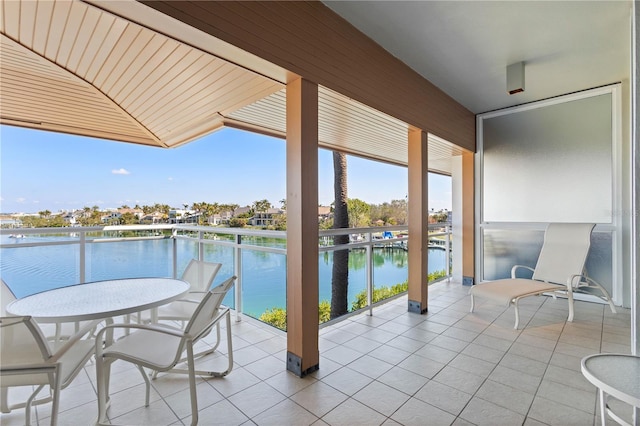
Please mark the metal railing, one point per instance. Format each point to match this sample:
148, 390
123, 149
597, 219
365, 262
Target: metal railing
238, 239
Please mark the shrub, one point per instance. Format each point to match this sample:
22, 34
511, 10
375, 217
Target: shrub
277, 317
384, 292
237, 222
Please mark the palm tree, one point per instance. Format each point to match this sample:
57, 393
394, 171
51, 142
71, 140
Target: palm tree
340, 271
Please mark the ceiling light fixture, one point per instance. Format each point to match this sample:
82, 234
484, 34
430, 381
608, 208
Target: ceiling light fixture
515, 78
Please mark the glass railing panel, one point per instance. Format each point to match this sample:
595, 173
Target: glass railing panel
264, 283
390, 271
128, 259
29, 270
357, 281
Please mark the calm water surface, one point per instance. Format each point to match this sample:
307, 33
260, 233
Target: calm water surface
30, 270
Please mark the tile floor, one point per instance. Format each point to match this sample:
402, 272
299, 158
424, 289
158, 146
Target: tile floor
448, 367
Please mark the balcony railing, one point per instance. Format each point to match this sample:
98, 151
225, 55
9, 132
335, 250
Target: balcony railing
238, 240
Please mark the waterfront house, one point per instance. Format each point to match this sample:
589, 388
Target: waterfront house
265, 218
418, 84
324, 213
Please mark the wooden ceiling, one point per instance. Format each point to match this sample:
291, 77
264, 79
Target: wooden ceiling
68, 66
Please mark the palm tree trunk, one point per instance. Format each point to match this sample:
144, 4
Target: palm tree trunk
340, 272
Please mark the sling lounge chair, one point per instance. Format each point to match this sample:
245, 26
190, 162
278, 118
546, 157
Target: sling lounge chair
560, 268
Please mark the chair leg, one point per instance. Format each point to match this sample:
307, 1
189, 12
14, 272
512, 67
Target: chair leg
4, 400
605, 296
570, 301
192, 385
472, 303
56, 397
147, 385
515, 305
103, 389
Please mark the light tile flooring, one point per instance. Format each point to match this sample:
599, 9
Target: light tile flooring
393, 368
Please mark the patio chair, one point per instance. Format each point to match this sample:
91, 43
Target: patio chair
26, 359
160, 347
200, 275
6, 296
560, 268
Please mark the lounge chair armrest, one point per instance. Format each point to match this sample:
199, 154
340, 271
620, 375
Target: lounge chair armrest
516, 267
582, 280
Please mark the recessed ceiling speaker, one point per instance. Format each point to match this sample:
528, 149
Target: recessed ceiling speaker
515, 78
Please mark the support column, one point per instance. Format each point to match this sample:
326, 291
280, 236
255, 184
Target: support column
303, 356
468, 219
418, 221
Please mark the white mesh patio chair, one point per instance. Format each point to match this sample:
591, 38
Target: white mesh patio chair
27, 359
560, 268
6, 296
200, 275
160, 347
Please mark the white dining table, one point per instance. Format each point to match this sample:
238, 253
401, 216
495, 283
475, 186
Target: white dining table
99, 299
616, 375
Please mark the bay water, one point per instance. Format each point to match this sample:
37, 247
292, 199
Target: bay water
29, 270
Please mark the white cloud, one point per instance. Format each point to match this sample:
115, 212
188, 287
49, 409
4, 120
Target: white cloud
170, 178
21, 200
120, 172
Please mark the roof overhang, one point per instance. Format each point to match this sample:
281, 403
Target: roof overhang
123, 71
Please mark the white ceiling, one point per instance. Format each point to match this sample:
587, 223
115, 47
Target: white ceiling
464, 47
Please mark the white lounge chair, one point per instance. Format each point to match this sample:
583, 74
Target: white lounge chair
560, 268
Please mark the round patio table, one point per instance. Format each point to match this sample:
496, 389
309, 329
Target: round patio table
617, 375
99, 299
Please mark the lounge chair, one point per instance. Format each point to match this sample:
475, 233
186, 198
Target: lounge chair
560, 268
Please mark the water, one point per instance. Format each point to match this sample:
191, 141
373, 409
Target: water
30, 270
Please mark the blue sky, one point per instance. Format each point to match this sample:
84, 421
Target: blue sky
54, 171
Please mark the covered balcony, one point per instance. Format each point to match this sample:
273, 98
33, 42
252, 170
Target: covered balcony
332, 75
446, 367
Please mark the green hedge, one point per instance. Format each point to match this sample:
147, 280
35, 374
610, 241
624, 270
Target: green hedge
277, 317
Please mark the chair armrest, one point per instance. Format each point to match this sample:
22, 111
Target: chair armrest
516, 267
87, 328
149, 327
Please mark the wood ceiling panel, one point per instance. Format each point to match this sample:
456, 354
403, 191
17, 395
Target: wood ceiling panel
27, 23
71, 31
118, 58
41, 27
39, 94
127, 61
95, 39
105, 46
61, 11
83, 38
149, 56
349, 126
11, 18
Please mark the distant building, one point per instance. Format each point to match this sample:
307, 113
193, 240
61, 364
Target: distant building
152, 218
324, 213
265, 218
183, 216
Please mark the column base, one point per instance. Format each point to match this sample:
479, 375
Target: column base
294, 365
467, 281
416, 307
